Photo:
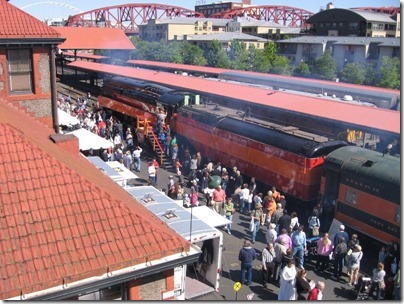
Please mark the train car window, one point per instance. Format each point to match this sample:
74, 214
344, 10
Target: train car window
351, 196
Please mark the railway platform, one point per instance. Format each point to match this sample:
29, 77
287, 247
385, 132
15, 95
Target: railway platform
334, 290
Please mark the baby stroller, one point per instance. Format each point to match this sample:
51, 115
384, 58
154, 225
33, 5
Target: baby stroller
362, 288
312, 246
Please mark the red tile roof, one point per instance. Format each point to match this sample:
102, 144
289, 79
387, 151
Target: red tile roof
93, 38
15, 23
60, 218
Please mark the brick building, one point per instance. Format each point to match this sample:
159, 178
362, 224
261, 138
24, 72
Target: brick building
67, 231
209, 9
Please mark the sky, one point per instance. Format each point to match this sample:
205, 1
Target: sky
43, 9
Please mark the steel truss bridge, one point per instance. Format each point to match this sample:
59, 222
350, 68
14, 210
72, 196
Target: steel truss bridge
129, 16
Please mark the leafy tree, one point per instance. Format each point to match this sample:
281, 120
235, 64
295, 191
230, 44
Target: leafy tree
192, 54
270, 50
258, 61
389, 73
325, 67
239, 55
280, 65
217, 56
141, 50
223, 60
370, 74
353, 73
151, 50
302, 70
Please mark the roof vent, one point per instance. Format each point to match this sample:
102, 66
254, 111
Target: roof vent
148, 198
170, 213
368, 163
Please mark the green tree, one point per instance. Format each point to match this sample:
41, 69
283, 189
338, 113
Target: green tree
141, 50
370, 74
239, 56
270, 50
151, 51
171, 52
216, 56
258, 61
192, 54
325, 67
353, 73
280, 65
389, 76
302, 70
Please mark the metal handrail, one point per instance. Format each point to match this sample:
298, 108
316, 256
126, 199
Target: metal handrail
148, 127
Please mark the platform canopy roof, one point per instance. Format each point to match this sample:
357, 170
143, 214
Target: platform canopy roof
94, 38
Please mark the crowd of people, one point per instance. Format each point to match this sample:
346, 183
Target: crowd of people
281, 265
286, 236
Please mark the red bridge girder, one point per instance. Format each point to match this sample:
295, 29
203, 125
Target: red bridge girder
391, 10
128, 16
285, 15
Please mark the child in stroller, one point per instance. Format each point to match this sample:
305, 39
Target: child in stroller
312, 246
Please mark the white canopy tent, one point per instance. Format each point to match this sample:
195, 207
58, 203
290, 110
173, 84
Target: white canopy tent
89, 140
66, 119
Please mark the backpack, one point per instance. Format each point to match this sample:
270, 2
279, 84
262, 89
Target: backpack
313, 221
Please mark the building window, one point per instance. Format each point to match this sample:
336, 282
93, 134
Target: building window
353, 25
395, 52
20, 70
378, 26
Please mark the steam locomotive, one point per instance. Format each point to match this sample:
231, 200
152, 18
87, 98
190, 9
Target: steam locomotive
306, 165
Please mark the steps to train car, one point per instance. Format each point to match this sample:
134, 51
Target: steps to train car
157, 146
165, 162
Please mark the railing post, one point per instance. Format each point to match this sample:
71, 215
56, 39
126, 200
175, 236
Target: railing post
145, 127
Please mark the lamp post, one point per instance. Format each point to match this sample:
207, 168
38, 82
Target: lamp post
190, 226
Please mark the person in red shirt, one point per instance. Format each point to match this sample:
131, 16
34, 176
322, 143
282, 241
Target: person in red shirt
156, 166
218, 198
316, 294
177, 165
102, 126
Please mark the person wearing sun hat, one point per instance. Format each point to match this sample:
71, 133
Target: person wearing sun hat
256, 216
271, 234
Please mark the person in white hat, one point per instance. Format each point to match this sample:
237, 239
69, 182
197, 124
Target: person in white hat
340, 233
271, 234
170, 183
